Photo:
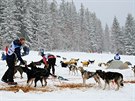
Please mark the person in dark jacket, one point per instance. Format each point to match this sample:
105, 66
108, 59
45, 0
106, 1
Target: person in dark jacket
14, 51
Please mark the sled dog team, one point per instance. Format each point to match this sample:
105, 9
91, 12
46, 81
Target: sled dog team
34, 74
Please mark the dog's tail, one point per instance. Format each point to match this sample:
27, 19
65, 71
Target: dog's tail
121, 81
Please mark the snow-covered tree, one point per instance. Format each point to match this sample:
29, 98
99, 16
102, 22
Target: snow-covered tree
116, 36
8, 29
45, 24
92, 32
129, 35
99, 36
2, 7
106, 39
83, 34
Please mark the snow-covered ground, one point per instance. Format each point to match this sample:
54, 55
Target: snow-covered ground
57, 93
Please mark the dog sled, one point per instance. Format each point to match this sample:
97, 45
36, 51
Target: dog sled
117, 64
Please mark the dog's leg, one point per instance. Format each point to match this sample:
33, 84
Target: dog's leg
36, 79
69, 72
72, 70
15, 71
41, 80
118, 85
31, 80
45, 82
108, 83
105, 85
76, 71
28, 81
99, 82
97, 79
84, 82
21, 76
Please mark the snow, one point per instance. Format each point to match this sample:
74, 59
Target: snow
93, 93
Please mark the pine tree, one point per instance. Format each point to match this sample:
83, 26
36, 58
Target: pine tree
99, 36
20, 18
106, 39
54, 30
116, 36
129, 35
8, 30
82, 33
2, 8
92, 33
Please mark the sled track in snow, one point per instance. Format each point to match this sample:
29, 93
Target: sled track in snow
61, 86
25, 89
57, 87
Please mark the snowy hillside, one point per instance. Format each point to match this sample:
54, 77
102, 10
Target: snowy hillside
72, 89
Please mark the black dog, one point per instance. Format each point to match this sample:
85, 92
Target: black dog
33, 75
63, 64
109, 76
45, 71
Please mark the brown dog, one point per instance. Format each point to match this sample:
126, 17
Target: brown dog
87, 74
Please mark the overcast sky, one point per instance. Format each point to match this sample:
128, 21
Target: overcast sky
107, 9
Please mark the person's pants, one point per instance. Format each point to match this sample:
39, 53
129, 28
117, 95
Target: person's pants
9, 74
51, 63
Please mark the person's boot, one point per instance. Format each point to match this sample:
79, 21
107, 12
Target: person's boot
4, 80
12, 83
